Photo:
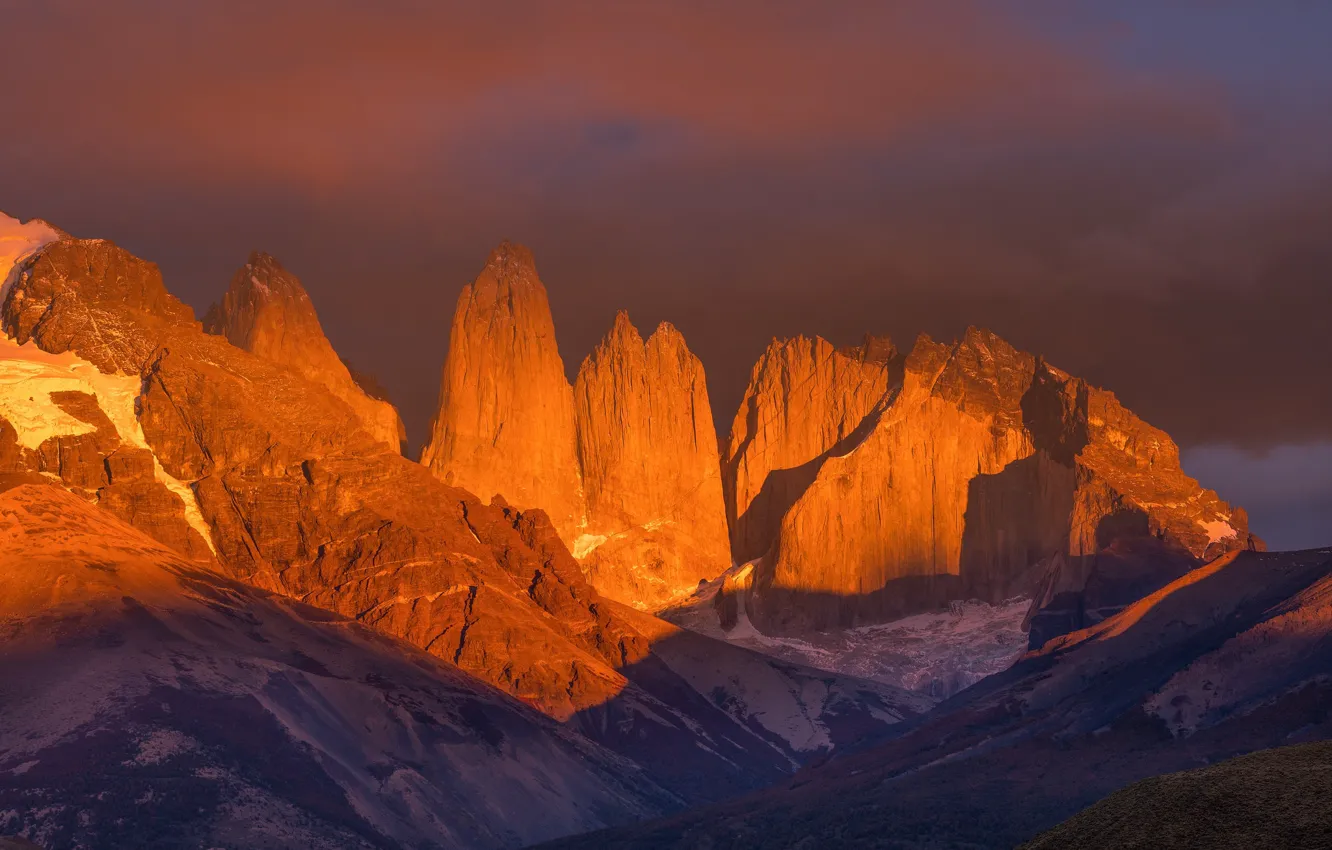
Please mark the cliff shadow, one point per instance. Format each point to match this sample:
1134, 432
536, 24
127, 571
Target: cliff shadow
1129, 563
753, 531
782, 611
1016, 520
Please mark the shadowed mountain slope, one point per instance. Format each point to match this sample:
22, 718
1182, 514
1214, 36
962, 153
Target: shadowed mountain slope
150, 702
1233, 657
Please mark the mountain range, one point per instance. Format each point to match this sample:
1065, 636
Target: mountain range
235, 614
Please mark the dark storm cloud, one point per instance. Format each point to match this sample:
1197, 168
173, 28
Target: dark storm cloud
1142, 195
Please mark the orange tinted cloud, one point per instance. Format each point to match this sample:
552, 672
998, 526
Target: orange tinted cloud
743, 169
318, 92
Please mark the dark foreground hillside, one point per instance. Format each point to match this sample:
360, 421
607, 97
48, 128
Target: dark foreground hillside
1232, 658
1273, 798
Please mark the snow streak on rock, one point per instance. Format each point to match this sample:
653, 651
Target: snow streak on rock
29, 376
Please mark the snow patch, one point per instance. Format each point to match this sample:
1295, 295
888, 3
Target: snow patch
28, 377
586, 543
18, 241
1218, 530
260, 285
935, 654
428, 597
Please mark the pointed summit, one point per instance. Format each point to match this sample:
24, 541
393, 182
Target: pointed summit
513, 262
623, 329
267, 312
505, 420
656, 522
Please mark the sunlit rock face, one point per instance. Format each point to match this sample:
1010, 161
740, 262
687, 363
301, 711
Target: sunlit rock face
296, 496
977, 468
267, 312
625, 462
69, 418
278, 480
806, 402
505, 421
647, 451
62, 419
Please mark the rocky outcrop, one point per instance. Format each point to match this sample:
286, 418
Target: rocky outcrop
979, 468
806, 402
647, 452
18, 241
242, 715
267, 312
62, 419
625, 462
88, 296
505, 421
296, 498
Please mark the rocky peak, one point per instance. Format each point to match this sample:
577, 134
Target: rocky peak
268, 277
926, 359
510, 288
622, 335
265, 307
988, 469
505, 419
873, 349
513, 263
97, 285
668, 335
267, 312
647, 448
985, 376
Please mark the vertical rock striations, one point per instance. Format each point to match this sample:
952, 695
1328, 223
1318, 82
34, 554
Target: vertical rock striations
981, 473
277, 477
806, 402
291, 491
267, 312
505, 422
647, 451
625, 463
